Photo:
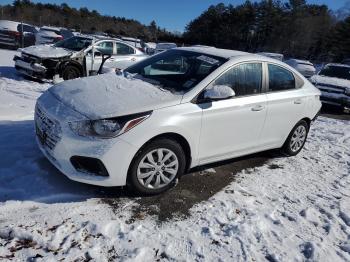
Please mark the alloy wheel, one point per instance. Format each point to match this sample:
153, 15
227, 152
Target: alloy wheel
298, 138
158, 168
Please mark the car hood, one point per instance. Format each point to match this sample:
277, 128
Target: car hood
46, 51
110, 95
331, 81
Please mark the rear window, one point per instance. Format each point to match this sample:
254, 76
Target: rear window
280, 79
26, 28
342, 72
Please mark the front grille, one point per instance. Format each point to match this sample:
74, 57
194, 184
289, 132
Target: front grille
48, 130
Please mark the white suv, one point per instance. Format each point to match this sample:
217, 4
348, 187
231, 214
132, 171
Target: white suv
173, 111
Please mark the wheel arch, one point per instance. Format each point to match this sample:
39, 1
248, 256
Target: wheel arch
307, 120
179, 139
64, 64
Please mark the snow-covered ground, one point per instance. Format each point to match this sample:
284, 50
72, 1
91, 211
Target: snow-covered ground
287, 209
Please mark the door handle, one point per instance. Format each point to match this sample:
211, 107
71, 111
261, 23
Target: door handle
257, 108
298, 101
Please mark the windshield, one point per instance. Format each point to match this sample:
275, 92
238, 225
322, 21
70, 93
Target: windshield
336, 71
177, 70
75, 43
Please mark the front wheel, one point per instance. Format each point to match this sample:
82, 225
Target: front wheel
296, 139
156, 167
70, 72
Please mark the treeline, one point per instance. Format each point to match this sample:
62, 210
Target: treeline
82, 20
294, 28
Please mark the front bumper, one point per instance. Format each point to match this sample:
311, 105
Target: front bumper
337, 100
115, 154
30, 69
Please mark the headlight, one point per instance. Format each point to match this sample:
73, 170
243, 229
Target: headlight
108, 128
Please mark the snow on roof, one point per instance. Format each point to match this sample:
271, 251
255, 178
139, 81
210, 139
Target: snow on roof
225, 53
12, 25
338, 65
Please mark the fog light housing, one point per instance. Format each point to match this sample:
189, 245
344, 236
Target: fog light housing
89, 165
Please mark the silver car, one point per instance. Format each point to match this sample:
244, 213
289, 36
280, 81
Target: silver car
75, 57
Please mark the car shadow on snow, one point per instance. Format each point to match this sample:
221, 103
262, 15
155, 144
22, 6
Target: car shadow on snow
10, 73
26, 175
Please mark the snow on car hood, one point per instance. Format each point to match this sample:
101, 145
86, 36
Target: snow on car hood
110, 95
319, 79
46, 51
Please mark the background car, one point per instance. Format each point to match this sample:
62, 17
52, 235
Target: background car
334, 83
50, 35
306, 68
75, 57
15, 34
160, 47
346, 61
135, 42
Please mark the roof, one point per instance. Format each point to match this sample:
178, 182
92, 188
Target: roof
225, 53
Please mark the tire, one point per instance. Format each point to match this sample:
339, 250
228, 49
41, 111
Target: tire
296, 139
148, 174
70, 72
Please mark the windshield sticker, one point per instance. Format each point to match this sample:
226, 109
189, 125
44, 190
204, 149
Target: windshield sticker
208, 59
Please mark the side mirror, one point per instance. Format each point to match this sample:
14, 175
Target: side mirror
218, 92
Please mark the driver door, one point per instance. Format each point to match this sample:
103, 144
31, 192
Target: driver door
233, 127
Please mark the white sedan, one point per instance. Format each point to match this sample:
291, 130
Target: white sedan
182, 108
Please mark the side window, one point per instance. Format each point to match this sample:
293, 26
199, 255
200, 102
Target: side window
106, 46
26, 28
280, 79
244, 79
124, 49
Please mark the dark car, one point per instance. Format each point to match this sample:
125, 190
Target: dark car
15, 34
334, 83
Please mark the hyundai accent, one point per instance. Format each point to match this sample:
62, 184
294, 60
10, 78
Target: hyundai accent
146, 126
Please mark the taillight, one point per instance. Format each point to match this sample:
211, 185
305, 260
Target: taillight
14, 33
59, 38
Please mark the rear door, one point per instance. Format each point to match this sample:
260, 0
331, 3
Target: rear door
124, 57
286, 103
233, 127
